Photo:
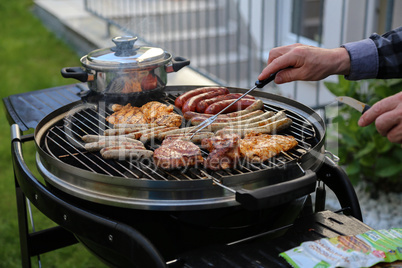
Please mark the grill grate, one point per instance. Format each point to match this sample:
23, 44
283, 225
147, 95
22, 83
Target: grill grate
63, 142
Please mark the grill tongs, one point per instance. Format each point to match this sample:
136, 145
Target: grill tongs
210, 120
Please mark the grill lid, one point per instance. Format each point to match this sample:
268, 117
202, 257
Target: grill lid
125, 55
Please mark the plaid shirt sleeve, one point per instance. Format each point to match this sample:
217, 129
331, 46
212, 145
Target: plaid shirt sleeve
376, 57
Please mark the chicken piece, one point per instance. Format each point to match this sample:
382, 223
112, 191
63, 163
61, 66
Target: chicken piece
260, 147
153, 110
169, 120
177, 153
114, 118
148, 113
224, 151
137, 118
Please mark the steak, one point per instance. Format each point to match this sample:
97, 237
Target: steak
224, 151
176, 153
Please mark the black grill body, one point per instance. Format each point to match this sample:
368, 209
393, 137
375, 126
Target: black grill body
119, 241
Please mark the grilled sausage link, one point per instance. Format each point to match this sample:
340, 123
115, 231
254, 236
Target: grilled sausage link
191, 103
189, 115
122, 147
124, 131
202, 105
150, 125
243, 125
99, 145
180, 100
127, 154
138, 134
220, 105
146, 137
271, 128
197, 138
95, 138
263, 119
253, 115
186, 130
257, 105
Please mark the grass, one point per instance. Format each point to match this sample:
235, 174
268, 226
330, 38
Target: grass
31, 58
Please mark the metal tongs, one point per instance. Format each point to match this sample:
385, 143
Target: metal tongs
210, 120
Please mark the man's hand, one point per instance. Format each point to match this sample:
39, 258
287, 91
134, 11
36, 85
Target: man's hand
308, 63
387, 114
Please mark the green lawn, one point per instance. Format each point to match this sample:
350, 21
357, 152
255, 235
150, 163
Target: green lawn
31, 58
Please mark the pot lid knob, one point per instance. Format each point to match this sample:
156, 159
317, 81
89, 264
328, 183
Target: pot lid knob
124, 45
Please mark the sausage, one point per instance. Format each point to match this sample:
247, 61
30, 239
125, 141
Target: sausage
99, 145
95, 138
243, 125
258, 121
122, 147
152, 135
202, 105
197, 138
199, 119
127, 154
186, 130
191, 103
271, 128
189, 115
136, 135
123, 131
257, 105
150, 125
180, 100
220, 105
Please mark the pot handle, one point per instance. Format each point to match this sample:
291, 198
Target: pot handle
177, 64
277, 194
75, 72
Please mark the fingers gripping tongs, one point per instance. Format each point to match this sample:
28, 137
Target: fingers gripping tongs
210, 120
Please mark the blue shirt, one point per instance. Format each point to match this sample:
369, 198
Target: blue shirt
376, 57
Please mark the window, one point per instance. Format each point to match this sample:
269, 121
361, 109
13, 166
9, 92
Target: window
306, 18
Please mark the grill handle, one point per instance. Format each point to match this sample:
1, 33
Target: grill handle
278, 194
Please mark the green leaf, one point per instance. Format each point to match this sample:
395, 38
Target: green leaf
387, 167
353, 168
335, 88
366, 150
367, 161
382, 144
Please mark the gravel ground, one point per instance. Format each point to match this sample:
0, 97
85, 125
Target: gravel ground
382, 213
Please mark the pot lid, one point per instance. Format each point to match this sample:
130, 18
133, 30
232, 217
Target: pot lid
125, 55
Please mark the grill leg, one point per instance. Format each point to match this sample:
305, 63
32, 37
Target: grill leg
23, 227
36, 243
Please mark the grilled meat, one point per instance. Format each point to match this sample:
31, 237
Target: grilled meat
260, 147
177, 153
169, 120
197, 138
150, 112
224, 151
154, 109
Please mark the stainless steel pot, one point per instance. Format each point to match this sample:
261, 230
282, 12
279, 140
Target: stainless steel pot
125, 68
